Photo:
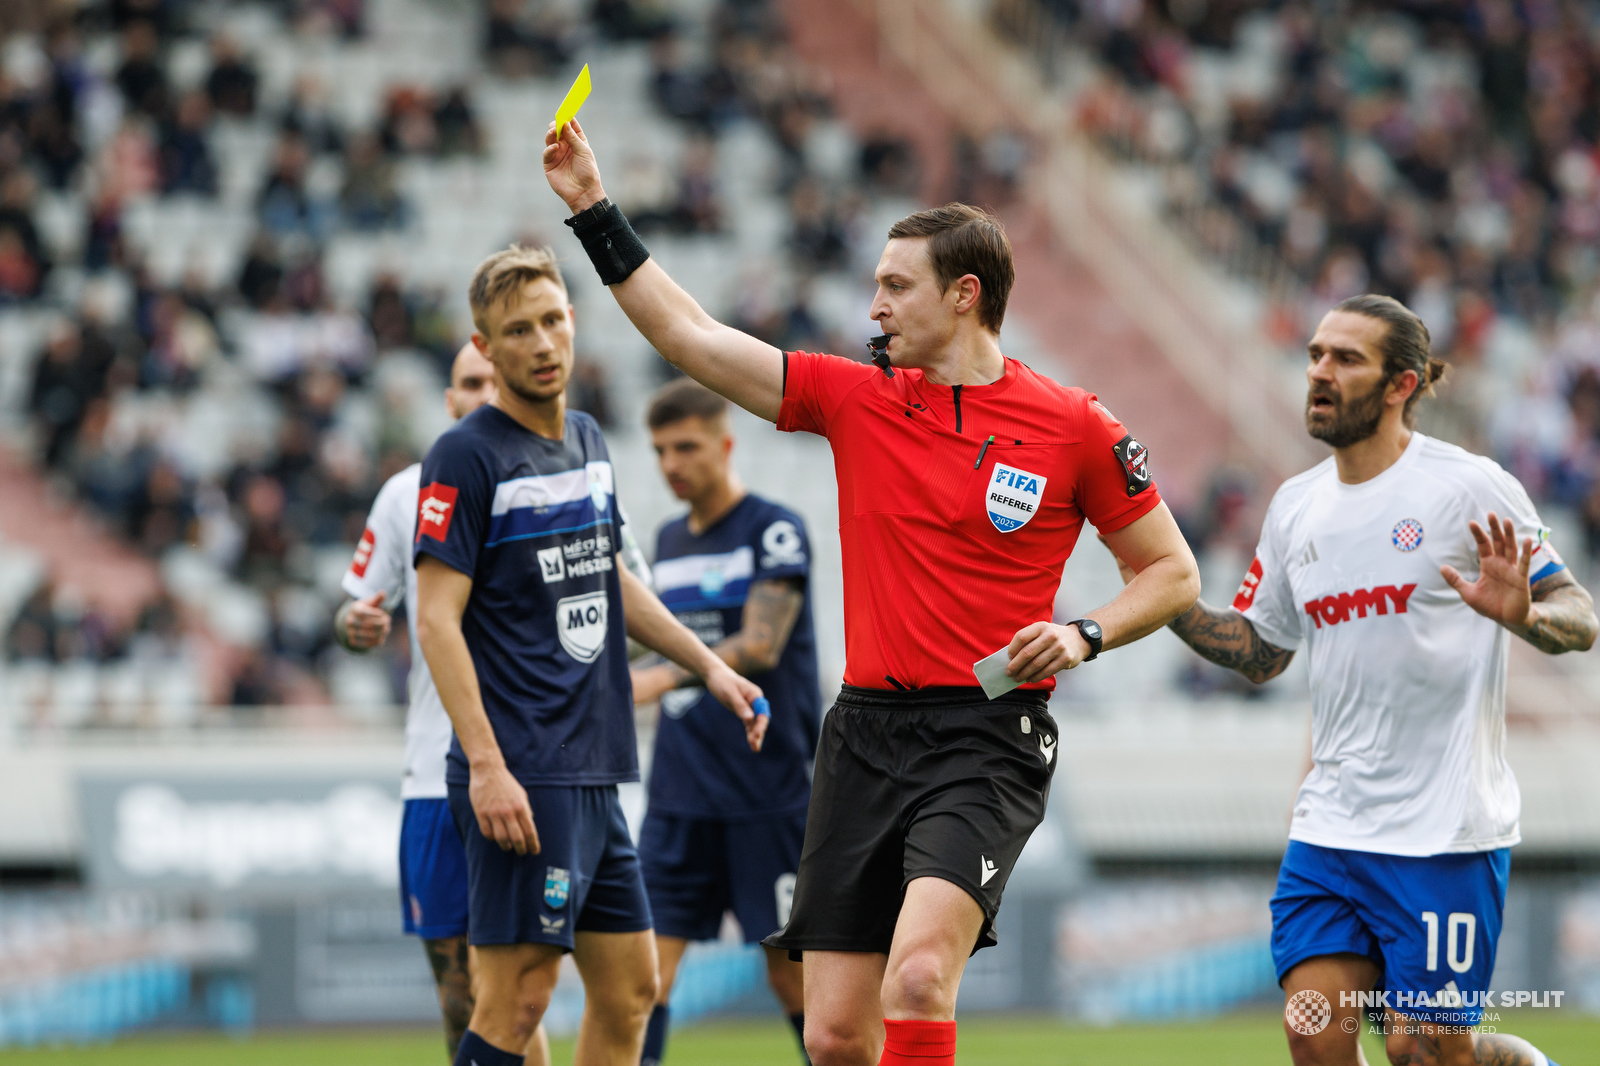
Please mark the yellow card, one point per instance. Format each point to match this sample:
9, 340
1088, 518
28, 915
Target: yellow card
575, 98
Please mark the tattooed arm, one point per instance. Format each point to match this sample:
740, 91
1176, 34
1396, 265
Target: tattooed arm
770, 613
1223, 636
1561, 617
1555, 614
1226, 637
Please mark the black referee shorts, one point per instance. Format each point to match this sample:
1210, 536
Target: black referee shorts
935, 782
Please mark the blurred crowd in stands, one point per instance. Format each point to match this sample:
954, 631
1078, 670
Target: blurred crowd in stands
321, 394
1445, 153
90, 110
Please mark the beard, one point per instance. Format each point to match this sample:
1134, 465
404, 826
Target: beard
1351, 421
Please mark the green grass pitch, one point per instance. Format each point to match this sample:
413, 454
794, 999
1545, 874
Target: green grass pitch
1571, 1039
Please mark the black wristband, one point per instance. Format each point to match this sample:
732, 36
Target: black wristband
613, 247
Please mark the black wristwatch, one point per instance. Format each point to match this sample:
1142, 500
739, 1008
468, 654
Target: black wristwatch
1091, 633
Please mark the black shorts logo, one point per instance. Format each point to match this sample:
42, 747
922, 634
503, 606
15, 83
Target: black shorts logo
1135, 460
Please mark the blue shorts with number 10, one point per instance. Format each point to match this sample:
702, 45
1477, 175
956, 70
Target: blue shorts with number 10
1431, 923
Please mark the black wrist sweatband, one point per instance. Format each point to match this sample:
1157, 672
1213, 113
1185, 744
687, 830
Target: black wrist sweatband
613, 247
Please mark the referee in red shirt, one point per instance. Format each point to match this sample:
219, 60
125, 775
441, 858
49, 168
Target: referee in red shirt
964, 481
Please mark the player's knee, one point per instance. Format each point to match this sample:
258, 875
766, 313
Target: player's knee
828, 1045
922, 986
513, 1013
627, 1000
532, 1000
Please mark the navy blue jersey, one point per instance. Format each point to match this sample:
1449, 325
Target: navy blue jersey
703, 767
535, 523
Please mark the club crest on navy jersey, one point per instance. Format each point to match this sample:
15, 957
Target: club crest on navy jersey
1013, 497
712, 582
557, 886
1407, 534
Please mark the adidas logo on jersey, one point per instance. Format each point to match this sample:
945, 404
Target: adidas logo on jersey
1331, 610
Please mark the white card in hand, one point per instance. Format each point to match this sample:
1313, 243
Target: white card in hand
991, 674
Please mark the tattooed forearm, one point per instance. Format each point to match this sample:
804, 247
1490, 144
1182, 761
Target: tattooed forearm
771, 610
1562, 618
451, 972
1226, 637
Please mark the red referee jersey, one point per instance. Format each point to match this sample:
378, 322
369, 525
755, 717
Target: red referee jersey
953, 542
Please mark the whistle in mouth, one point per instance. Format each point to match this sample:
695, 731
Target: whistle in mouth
878, 349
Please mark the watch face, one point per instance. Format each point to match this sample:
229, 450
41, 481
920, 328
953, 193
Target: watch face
1091, 630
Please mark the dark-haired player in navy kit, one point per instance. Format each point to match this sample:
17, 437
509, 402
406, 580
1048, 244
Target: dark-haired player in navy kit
725, 825
522, 607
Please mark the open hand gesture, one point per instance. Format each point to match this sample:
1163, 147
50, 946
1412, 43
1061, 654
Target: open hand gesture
570, 167
1501, 591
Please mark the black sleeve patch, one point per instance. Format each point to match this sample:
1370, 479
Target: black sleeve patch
1135, 460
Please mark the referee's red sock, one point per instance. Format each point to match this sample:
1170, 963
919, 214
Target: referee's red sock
917, 1043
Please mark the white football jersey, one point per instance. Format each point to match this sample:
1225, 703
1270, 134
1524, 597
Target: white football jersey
1408, 683
383, 563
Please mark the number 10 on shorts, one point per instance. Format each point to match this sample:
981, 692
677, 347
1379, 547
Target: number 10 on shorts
1461, 933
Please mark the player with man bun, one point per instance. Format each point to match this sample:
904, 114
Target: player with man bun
1399, 847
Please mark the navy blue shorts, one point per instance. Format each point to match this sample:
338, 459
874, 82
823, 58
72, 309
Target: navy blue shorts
697, 868
584, 879
433, 871
1431, 923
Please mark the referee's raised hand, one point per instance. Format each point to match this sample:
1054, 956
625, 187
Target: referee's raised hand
570, 167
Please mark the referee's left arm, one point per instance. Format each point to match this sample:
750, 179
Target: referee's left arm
1166, 583
651, 624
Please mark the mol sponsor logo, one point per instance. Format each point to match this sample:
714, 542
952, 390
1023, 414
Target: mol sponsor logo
581, 622
1341, 607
